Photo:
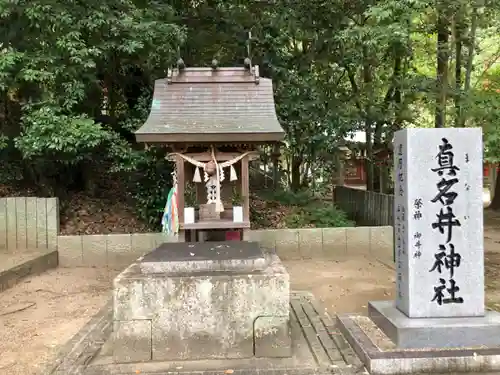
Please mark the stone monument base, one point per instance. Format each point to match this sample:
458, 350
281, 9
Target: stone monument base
381, 357
435, 332
390, 343
191, 301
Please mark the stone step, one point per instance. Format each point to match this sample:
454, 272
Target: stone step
18, 264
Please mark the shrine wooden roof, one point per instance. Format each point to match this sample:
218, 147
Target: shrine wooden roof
199, 105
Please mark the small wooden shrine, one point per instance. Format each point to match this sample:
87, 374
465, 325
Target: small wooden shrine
211, 121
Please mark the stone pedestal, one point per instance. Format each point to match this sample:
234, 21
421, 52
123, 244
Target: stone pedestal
468, 332
187, 301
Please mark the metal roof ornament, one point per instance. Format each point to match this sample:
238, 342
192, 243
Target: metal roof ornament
215, 64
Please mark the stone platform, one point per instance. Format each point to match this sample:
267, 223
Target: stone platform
382, 356
435, 332
205, 256
202, 301
317, 348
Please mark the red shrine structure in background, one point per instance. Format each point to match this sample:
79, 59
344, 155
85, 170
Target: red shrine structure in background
355, 167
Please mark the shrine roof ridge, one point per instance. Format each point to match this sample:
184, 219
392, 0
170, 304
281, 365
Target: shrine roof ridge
198, 104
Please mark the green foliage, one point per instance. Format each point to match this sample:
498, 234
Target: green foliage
147, 173
149, 186
4, 141
485, 112
290, 198
336, 66
302, 210
236, 197
324, 216
48, 133
190, 194
53, 75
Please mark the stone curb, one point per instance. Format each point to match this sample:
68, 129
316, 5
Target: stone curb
82, 347
37, 265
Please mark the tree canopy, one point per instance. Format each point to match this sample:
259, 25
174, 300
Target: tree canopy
76, 79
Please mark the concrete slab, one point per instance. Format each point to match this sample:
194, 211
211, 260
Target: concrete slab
31, 222
435, 332
204, 256
310, 242
41, 223
334, 242
95, 251
265, 237
119, 250
357, 238
370, 344
287, 243
21, 224
11, 218
70, 249
272, 337
3, 223
132, 341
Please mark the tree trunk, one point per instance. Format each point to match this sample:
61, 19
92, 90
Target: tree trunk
369, 160
385, 179
470, 59
296, 172
442, 55
275, 157
377, 146
367, 81
398, 116
376, 178
495, 203
89, 178
458, 70
471, 47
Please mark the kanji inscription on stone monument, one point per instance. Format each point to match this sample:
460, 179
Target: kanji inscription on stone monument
438, 222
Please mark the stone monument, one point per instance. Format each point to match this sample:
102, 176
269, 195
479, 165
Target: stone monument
438, 223
438, 234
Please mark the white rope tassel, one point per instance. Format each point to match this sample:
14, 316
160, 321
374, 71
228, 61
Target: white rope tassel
232, 174
221, 171
174, 178
219, 207
197, 176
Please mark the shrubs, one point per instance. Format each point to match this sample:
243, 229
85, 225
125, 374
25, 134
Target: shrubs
287, 209
324, 216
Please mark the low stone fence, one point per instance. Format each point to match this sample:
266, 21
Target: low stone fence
119, 250
365, 207
29, 222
